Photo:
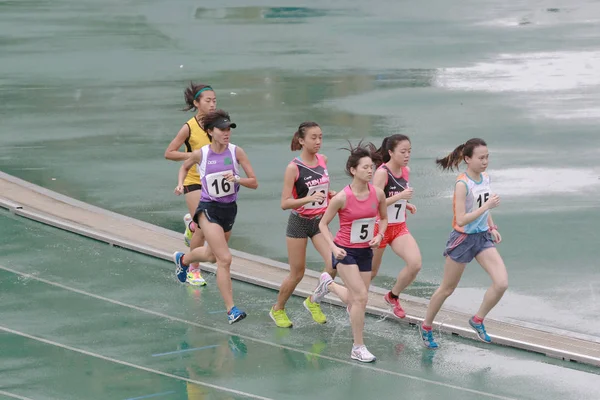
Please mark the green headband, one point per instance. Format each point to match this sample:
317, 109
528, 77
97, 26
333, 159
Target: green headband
204, 89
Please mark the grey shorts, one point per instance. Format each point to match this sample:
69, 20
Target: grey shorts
301, 228
463, 248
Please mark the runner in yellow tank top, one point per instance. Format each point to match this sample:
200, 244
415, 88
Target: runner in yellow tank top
191, 135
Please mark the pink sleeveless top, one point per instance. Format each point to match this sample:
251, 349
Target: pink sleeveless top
357, 219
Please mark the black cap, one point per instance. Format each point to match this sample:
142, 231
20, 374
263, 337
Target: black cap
223, 123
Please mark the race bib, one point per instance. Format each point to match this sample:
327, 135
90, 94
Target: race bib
323, 188
481, 195
218, 186
397, 212
362, 230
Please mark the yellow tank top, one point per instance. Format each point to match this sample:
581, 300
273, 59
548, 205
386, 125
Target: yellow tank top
197, 139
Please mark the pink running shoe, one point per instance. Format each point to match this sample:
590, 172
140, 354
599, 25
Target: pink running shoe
396, 307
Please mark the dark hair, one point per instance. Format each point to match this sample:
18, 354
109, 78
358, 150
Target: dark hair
190, 94
299, 134
389, 144
357, 153
209, 120
458, 155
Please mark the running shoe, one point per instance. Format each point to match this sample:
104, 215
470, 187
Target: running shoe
480, 330
315, 311
235, 315
360, 353
322, 288
181, 270
427, 338
195, 278
187, 235
395, 303
280, 318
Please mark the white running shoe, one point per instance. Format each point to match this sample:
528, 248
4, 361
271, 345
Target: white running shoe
360, 353
322, 288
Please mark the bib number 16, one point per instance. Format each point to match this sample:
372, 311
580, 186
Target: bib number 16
218, 186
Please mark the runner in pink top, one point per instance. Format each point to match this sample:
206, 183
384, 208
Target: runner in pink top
306, 193
393, 176
357, 220
357, 206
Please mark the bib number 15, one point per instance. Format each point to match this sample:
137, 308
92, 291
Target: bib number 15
482, 198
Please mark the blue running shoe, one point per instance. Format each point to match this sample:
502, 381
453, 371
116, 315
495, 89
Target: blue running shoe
235, 315
181, 270
427, 338
480, 330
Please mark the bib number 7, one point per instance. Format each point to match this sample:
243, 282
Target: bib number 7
362, 230
397, 212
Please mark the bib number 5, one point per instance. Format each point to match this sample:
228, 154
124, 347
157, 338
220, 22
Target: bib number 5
362, 230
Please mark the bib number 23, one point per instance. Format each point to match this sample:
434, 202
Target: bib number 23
324, 189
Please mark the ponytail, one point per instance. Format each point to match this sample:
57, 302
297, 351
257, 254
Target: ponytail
452, 160
295, 146
299, 134
388, 144
457, 156
192, 92
382, 153
376, 156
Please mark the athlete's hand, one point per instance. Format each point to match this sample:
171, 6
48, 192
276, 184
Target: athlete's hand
332, 193
406, 194
374, 243
412, 208
338, 253
229, 177
496, 237
493, 202
318, 197
179, 190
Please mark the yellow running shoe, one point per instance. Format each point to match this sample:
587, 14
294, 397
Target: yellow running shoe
195, 278
187, 236
315, 310
280, 317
